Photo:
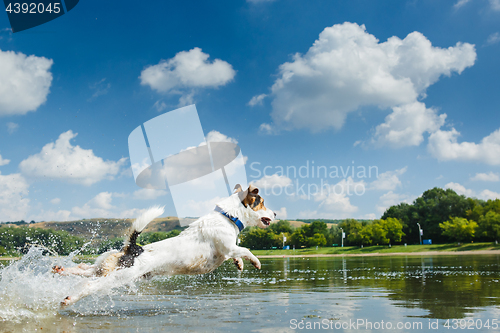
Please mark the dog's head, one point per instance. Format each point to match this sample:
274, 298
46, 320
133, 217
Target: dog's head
248, 206
250, 198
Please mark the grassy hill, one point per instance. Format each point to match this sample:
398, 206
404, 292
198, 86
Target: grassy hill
105, 228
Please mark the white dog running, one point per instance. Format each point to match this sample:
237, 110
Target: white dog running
199, 249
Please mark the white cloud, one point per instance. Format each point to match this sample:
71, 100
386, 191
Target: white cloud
281, 214
160, 105
487, 177
493, 38
267, 129
406, 125
334, 200
4, 161
390, 199
55, 201
273, 181
216, 136
443, 145
460, 189
98, 206
61, 215
489, 195
495, 5
14, 203
347, 68
388, 180
61, 160
12, 127
24, 82
257, 100
148, 194
460, 4
131, 213
186, 71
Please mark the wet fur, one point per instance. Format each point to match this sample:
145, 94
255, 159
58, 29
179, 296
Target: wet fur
199, 249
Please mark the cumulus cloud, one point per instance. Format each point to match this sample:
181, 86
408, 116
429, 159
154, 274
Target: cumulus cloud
186, 71
216, 136
98, 206
347, 68
460, 189
62, 160
406, 125
49, 215
273, 181
55, 201
24, 82
281, 214
486, 177
148, 194
388, 180
14, 203
335, 200
4, 161
444, 146
390, 199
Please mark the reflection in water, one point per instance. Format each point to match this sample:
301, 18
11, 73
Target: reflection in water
397, 289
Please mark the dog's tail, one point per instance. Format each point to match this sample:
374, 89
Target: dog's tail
138, 226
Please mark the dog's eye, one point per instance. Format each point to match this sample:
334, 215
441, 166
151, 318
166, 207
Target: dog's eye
258, 199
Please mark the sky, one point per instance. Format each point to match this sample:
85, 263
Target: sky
341, 109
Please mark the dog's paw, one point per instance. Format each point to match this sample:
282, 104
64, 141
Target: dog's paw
57, 269
256, 264
67, 301
239, 263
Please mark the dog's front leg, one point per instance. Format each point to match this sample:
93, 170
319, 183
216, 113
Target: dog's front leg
239, 263
240, 252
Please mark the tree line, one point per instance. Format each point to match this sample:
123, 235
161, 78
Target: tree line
17, 240
446, 216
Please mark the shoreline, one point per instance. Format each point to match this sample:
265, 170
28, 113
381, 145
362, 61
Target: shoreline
387, 254
373, 254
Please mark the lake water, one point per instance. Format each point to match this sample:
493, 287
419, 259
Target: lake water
368, 294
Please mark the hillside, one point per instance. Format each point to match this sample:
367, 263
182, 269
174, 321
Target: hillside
105, 228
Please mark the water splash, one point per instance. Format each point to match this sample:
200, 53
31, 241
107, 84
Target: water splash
29, 289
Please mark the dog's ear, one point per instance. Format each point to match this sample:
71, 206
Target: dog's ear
252, 190
248, 196
237, 188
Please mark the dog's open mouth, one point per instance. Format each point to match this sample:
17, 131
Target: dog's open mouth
266, 220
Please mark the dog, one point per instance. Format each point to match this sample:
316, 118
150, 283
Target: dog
199, 249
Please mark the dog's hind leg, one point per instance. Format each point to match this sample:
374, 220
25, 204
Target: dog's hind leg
115, 279
82, 269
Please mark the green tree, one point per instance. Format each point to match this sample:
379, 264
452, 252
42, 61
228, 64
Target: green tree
317, 240
459, 228
489, 226
281, 226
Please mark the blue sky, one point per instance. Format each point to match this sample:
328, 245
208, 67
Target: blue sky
409, 88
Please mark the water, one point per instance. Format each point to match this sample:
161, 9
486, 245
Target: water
322, 294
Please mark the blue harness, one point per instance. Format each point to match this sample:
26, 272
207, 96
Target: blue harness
233, 219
